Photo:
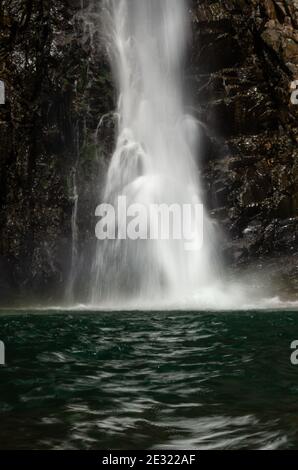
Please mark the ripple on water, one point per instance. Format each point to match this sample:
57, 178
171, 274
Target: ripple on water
134, 380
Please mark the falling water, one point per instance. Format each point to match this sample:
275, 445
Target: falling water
74, 240
74, 197
155, 157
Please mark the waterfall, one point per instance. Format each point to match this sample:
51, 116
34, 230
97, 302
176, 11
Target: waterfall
155, 159
74, 197
74, 240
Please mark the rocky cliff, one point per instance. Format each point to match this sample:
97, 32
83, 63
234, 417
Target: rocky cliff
58, 87
57, 132
244, 59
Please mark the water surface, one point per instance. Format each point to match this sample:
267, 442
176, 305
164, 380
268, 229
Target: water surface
148, 380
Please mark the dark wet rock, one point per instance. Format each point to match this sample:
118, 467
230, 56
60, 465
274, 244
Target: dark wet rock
244, 101
58, 86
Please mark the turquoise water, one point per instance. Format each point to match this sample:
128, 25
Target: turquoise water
149, 380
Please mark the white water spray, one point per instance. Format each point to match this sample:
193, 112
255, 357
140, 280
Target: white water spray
155, 157
74, 239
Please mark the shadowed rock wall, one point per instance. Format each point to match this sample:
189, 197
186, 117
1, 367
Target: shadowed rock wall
58, 86
244, 58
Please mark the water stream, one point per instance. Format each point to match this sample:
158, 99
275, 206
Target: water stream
155, 157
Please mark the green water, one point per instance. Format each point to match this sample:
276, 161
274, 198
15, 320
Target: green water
149, 380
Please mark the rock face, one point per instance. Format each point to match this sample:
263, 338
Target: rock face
58, 86
244, 59
57, 134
